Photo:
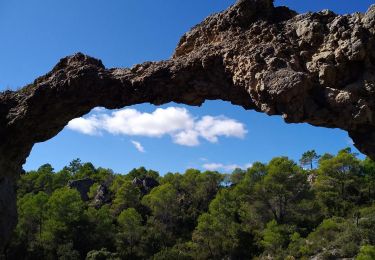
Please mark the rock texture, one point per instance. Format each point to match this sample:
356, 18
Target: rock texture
102, 196
145, 184
317, 68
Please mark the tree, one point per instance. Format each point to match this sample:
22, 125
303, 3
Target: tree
67, 252
206, 236
244, 190
271, 212
101, 227
64, 210
325, 156
60, 179
367, 223
103, 175
219, 234
45, 168
32, 216
367, 252
195, 192
86, 170
173, 253
335, 238
127, 196
309, 158
275, 238
130, 232
369, 172
337, 185
162, 201
282, 188
237, 175
44, 180
74, 166
142, 173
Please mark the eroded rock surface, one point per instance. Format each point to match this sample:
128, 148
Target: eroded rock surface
102, 196
317, 68
145, 184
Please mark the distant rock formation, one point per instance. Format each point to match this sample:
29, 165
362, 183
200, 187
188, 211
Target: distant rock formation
317, 68
145, 184
102, 196
82, 186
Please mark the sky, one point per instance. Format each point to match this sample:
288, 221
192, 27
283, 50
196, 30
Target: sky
173, 137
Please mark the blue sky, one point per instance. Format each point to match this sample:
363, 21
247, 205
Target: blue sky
36, 34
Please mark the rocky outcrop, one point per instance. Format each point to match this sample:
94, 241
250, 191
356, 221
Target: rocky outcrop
102, 196
145, 184
317, 68
82, 186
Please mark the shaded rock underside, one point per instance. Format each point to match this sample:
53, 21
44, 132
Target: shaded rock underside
317, 68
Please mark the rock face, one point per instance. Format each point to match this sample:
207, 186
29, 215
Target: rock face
145, 184
8, 209
102, 196
317, 68
82, 186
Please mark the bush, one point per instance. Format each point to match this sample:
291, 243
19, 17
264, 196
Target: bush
366, 252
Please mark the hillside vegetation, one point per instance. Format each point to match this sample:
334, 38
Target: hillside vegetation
322, 206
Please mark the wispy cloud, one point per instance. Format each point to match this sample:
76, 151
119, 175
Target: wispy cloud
225, 167
138, 146
179, 123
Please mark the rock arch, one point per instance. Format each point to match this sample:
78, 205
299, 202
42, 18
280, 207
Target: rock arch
317, 68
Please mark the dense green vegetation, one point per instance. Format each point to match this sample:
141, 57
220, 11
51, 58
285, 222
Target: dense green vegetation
321, 206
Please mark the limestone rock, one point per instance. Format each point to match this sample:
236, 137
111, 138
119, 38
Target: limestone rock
102, 196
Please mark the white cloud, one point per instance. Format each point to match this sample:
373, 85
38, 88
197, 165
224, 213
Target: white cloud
155, 124
211, 127
176, 122
212, 166
225, 167
187, 138
138, 146
87, 126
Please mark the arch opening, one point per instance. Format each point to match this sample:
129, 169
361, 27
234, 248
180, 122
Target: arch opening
253, 137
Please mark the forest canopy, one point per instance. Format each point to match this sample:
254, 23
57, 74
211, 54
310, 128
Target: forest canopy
322, 206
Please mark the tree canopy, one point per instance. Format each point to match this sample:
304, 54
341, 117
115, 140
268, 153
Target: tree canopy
323, 207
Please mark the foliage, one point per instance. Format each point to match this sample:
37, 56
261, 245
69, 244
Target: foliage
366, 252
309, 158
338, 184
126, 196
274, 210
102, 254
130, 232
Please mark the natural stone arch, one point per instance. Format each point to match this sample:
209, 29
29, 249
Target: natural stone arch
316, 68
